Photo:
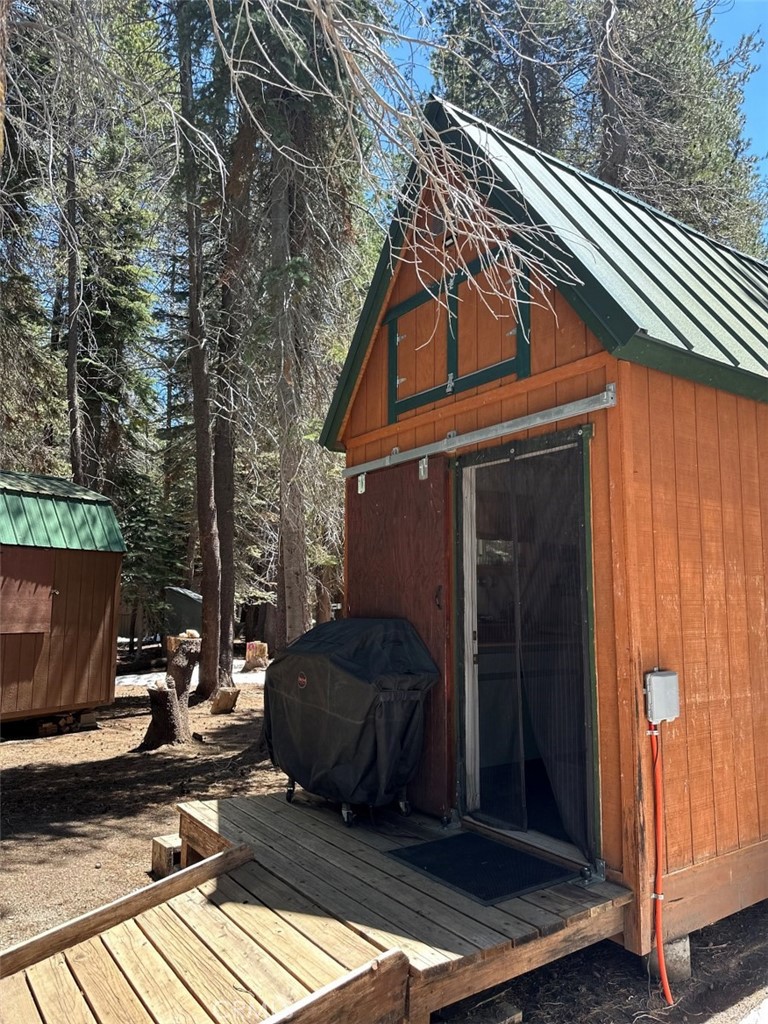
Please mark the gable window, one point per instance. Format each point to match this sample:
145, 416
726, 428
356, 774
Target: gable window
455, 335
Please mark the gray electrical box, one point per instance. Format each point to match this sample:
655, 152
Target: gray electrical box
662, 695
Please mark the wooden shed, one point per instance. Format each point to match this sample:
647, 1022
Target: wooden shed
563, 494
60, 556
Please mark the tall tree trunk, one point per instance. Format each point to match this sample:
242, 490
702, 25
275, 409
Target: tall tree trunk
73, 320
236, 198
5, 10
210, 587
529, 86
293, 600
614, 144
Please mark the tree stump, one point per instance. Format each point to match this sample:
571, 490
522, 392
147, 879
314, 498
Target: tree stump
169, 704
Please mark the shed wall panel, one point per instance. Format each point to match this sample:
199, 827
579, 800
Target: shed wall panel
70, 665
397, 565
698, 525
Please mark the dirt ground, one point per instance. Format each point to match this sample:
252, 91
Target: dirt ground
78, 812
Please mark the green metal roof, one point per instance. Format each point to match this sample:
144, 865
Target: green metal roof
653, 290
46, 512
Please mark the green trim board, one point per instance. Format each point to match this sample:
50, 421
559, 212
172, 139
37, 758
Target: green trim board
47, 512
653, 290
596, 821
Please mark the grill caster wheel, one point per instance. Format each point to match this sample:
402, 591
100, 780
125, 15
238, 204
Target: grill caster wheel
348, 815
289, 792
404, 807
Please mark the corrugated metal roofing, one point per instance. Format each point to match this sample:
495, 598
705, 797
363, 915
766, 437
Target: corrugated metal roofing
678, 286
653, 290
46, 512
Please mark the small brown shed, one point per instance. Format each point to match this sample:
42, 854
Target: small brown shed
60, 556
563, 494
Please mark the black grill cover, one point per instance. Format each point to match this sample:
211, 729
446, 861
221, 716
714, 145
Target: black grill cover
343, 709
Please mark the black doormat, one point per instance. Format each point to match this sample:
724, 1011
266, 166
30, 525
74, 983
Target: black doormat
482, 868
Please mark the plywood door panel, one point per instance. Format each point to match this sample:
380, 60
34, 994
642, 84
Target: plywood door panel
397, 565
10, 666
100, 625
26, 581
29, 697
70, 597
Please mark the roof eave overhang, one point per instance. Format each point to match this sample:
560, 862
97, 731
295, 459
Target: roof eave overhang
648, 351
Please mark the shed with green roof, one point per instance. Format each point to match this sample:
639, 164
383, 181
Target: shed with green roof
60, 556
563, 487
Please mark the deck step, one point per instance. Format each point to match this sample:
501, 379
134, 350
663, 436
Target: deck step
166, 855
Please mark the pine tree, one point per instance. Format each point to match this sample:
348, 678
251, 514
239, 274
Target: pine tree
636, 93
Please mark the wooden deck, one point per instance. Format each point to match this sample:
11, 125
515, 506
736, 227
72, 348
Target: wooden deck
291, 916
314, 872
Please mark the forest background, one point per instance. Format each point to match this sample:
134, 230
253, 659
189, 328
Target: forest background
192, 200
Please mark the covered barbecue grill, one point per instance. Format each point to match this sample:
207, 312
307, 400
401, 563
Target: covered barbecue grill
343, 712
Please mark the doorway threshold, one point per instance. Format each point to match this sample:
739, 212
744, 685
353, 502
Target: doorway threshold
553, 849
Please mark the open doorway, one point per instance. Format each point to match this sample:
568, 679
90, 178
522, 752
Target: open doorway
528, 754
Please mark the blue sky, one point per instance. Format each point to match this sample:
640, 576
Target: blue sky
733, 19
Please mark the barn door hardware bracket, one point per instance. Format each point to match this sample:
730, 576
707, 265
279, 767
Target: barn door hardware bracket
605, 399
361, 484
424, 468
592, 874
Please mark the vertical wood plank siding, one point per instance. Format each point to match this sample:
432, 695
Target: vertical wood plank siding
699, 521
398, 552
679, 505
71, 665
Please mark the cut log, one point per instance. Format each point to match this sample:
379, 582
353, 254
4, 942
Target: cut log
169, 704
224, 700
256, 656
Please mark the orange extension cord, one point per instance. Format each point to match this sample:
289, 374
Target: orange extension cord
658, 897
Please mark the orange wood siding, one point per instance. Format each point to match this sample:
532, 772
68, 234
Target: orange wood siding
697, 517
72, 664
398, 564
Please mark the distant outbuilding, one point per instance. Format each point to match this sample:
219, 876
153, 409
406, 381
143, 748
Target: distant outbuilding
60, 556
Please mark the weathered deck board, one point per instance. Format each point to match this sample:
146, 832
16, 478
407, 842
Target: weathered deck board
109, 994
404, 886
209, 980
295, 952
333, 897
269, 981
57, 994
327, 932
154, 981
16, 1002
